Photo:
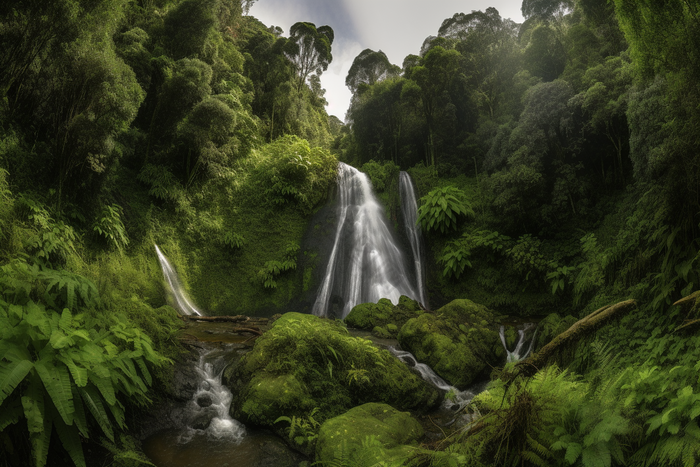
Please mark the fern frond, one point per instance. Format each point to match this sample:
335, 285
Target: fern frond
93, 401
40, 443
11, 374
57, 383
70, 439
10, 414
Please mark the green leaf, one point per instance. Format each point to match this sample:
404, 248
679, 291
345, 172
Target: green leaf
93, 401
33, 405
10, 414
11, 374
57, 383
573, 451
40, 443
70, 439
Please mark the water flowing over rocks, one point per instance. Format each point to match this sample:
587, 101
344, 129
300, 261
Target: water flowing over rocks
458, 341
308, 367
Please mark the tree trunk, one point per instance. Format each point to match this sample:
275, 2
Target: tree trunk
580, 328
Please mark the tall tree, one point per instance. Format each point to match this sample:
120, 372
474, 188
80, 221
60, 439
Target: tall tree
309, 49
370, 67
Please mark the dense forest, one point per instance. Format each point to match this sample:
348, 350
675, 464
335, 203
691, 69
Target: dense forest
557, 164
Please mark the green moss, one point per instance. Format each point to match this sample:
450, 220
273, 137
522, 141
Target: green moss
368, 434
383, 316
439, 340
268, 397
305, 365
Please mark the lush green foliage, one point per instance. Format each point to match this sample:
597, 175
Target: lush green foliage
55, 372
441, 209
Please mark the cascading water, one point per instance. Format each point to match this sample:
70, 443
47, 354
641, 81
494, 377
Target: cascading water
365, 263
181, 302
456, 402
207, 413
526, 334
409, 209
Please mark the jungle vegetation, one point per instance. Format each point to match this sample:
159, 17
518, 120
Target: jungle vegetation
557, 162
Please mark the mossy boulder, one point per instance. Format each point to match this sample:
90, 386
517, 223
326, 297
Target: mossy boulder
383, 318
551, 327
309, 369
367, 435
459, 341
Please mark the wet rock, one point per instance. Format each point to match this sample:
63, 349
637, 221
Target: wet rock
459, 341
368, 434
201, 421
204, 400
383, 318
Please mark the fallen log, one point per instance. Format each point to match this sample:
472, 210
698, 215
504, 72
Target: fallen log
590, 323
224, 319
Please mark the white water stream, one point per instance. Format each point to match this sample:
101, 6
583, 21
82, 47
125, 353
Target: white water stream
409, 209
181, 301
457, 399
365, 263
526, 337
207, 413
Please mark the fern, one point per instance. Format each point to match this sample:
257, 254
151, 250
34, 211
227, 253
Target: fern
108, 225
57, 368
273, 269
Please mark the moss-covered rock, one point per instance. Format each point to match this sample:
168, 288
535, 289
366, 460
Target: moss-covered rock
459, 341
383, 318
309, 369
366, 435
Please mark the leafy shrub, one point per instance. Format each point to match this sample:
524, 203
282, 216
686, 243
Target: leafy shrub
233, 240
380, 174
441, 208
56, 373
296, 173
272, 269
109, 226
51, 241
455, 259
22, 283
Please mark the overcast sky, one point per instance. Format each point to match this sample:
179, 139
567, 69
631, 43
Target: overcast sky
398, 27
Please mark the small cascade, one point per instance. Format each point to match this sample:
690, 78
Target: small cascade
409, 209
181, 301
526, 337
365, 263
456, 402
207, 413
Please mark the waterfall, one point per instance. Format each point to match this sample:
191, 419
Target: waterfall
523, 338
208, 410
409, 209
365, 263
182, 303
458, 399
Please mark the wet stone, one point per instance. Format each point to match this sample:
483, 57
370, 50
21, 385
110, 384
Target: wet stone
204, 400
